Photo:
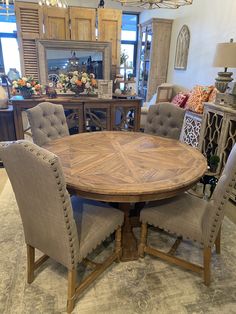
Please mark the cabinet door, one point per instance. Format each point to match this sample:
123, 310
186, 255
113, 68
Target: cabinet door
109, 29
82, 23
56, 22
29, 27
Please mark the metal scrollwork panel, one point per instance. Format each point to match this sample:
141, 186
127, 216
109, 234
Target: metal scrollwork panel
191, 131
230, 141
212, 133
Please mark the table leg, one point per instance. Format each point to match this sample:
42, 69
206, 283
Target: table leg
129, 242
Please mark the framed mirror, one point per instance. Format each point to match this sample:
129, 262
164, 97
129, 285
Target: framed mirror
63, 56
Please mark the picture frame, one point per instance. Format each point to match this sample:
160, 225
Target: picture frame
105, 89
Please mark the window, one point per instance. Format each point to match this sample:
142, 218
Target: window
129, 40
9, 51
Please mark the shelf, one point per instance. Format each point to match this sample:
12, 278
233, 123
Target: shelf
125, 81
123, 96
126, 68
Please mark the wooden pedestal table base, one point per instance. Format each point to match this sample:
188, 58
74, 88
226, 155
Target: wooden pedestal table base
129, 241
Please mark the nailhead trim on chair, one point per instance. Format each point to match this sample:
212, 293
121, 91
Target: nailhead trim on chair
60, 189
223, 203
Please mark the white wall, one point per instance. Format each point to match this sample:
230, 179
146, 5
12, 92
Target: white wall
210, 22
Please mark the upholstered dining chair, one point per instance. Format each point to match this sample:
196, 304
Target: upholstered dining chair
64, 229
191, 218
165, 119
47, 122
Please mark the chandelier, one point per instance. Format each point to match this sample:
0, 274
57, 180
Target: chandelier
6, 7
54, 3
156, 4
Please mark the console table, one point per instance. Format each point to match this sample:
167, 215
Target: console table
218, 134
104, 114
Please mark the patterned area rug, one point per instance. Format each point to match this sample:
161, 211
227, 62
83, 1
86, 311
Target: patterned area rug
144, 286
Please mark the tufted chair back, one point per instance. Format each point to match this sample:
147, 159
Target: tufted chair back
217, 206
44, 203
47, 122
165, 119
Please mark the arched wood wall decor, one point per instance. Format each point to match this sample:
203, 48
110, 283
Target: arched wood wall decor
182, 47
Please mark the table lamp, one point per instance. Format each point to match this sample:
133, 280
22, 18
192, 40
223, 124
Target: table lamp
225, 57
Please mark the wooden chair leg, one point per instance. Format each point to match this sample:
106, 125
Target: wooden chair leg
118, 248
217, 242
207, 265
30, 263
72, 274
143, 240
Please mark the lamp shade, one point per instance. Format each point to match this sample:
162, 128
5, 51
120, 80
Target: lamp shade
225, 55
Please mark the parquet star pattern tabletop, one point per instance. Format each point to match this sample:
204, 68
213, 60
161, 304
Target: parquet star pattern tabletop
127, 167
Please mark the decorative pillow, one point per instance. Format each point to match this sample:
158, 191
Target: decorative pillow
198, 96
180, 99
212, 97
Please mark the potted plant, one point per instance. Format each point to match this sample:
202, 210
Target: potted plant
77, 82
213, 162
27, 86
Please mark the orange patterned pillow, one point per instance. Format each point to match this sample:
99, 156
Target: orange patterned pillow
198, 96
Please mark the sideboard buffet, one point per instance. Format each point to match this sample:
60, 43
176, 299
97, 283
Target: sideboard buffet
218, 134
90, 113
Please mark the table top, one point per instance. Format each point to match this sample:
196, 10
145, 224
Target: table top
69, 98
127, 166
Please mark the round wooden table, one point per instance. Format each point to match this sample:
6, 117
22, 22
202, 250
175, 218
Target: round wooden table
127, 167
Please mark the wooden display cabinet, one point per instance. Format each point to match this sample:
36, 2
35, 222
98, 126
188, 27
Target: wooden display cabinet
153, 57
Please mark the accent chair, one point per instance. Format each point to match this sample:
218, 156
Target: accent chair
165, 119
63, 228
47, 122
191, 218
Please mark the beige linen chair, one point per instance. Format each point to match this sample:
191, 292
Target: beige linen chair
47, 122
47, 215
165, 119
191, 218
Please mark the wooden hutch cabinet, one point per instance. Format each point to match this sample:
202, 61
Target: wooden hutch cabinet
153, 57
73, 23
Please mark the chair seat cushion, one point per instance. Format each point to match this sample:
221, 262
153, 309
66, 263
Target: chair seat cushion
95, 221
181, 215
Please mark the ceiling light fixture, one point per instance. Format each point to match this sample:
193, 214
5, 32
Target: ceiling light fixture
156, 4
54, 3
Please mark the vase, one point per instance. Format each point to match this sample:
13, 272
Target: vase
26, 93
77, 90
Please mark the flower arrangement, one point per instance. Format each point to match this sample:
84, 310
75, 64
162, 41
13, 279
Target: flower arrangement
77, 82
28, 86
